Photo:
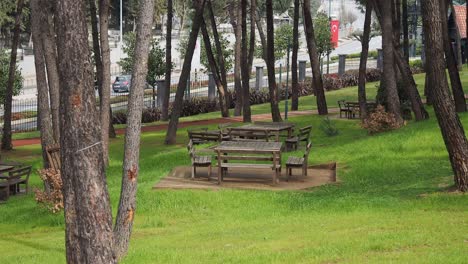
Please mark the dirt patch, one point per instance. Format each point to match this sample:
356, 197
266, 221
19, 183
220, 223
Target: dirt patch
248, 179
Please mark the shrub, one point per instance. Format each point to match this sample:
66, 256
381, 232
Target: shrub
328, 127
150, 115
51, 198
380, 121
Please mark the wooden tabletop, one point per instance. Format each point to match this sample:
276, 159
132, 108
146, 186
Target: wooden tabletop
270, 126
249, 146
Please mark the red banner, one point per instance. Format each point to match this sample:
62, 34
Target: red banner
334, 29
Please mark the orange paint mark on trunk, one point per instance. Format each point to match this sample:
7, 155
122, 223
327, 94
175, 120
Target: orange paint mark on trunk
132, 173
76, 100
129, 217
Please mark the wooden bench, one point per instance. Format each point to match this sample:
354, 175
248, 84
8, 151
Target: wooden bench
15, 178
302, 136
204, 136
239, 154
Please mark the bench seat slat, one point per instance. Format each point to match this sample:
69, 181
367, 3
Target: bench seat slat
249, 165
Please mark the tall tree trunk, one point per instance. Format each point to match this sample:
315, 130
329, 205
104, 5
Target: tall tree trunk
449, 123
382, 8
270, 61
106, 75
458, 51
246, 114
88, 217
96, 44
219, 49
363, 61
410, 86
6, 138
405, 29
261, 33
38, 23
223, 90
252, 42
214, 69
167, 76
466, 40
196, 23
236, 22
50, 55
127, 204
295, 48
314, 60
457, 89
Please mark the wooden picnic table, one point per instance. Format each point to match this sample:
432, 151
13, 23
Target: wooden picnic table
269, 128
249, 151
354, 108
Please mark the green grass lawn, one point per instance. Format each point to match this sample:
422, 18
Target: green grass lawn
391, 206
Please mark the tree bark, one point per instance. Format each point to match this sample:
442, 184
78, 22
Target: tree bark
244, 56
38, 19
6, 138
167, 76
50, 55
270, 62
295, 48
88, 217
236, 22
383, 8
106, 75
196, 23
449, 123
127, 204
363, 61
96, 44
252, 42
404, 4
457, 89
314, 60
214, 69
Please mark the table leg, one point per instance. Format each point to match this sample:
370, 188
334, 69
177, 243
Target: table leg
219, 167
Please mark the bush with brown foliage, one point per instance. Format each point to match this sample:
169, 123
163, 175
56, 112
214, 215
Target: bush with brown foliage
51, 198
380, 121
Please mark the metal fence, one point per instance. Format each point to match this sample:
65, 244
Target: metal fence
25, 110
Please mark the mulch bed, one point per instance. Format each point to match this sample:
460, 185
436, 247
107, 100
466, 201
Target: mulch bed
248, 179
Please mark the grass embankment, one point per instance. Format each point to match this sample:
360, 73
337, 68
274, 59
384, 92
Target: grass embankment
391, 205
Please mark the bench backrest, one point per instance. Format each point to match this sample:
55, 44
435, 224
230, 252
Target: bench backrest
22, 172
304, 133
53, 156
342, 105
204, 136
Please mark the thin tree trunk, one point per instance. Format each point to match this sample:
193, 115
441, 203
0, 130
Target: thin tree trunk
6, 138
96, 44
261, 33
385, 18
106, 75
246, 114
38, 23
314, 60
167, 76
270, 61
127, 204
236, 22
457, 89
295, 48
223, 92
449, 123
214, 69
253, 14
405, 29
410, 86
466, 40
363, 61
196, 23
88, 217
458, 51
50, 55
219, 49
